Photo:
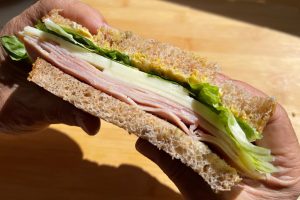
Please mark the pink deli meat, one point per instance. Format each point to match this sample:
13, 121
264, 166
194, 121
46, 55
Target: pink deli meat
182, 117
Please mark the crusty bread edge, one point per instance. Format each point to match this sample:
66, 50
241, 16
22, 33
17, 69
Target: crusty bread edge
215, 171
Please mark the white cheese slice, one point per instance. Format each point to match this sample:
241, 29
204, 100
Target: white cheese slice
164, 88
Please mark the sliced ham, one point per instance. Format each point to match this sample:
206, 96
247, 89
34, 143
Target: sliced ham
182, 117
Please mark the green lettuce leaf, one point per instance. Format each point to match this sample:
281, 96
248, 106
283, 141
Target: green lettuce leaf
251, 133
206, 93
252, 159
41, 26
80, 40
210, 96
14, 47
112, 54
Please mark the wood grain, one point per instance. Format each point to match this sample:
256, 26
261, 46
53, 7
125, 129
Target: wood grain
64, 163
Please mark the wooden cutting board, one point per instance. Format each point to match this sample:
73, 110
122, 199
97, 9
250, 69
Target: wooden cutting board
253, 41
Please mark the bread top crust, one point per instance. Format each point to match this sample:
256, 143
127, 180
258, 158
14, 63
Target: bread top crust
176, 64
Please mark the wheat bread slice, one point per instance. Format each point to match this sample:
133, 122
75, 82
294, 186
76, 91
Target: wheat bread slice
195, 154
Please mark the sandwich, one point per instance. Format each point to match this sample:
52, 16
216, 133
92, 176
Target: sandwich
173, 98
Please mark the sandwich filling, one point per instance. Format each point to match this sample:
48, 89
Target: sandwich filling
195, 109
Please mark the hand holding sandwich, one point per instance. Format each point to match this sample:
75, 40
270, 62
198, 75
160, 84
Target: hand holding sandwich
43, 108
279, 136
23, 106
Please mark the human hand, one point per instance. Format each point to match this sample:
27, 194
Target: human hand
24, 107
279, 136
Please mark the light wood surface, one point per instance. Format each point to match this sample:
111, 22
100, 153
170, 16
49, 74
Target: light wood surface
247, 39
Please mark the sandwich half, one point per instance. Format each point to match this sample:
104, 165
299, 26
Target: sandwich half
171, 97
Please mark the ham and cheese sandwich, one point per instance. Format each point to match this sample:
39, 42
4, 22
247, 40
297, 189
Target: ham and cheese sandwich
171, 97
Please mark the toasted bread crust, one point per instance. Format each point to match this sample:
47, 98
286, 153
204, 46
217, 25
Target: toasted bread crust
219, 175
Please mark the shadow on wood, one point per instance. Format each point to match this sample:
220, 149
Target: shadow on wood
50, 165
282, 15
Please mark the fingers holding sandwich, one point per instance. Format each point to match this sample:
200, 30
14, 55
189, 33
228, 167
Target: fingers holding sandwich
277, 133
187, 181
93, 20
26, 108
64, 112
37, 113
277, 130
85, 15
278, 136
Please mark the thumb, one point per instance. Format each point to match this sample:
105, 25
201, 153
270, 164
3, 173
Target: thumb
89, 123
93, 21
189, 183
66, 113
